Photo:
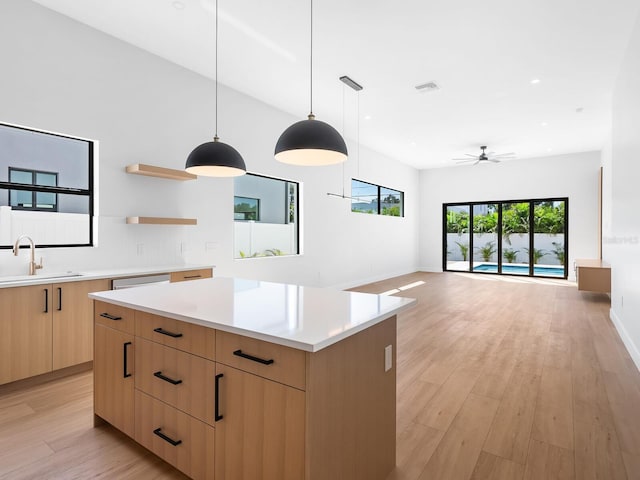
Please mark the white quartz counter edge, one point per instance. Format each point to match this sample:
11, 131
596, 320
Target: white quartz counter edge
79, 276
299, 345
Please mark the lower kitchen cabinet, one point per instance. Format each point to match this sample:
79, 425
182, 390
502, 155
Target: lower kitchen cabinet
113, 371
25, 322
260, 434
72, 312
181, 440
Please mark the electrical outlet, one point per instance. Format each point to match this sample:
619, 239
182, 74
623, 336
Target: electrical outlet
388, 358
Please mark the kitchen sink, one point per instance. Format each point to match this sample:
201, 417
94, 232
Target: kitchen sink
45, 276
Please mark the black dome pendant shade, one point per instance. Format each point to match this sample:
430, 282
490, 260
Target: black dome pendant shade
215, 159
311, 142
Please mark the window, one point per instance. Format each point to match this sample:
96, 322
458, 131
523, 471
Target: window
25, 200
246, 208
375, 199
266, 217
515, 237
46, 188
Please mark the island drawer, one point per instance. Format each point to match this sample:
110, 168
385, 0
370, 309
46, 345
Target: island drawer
269, 360
184, 336
114, 316
183, 441
191, 275
180, 379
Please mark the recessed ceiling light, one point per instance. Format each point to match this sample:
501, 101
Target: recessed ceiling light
178, 5
544, 124
579, 110
535, 81
549, 149
367, 117
413, 144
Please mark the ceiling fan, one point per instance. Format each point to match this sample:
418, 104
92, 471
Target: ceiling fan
484, 157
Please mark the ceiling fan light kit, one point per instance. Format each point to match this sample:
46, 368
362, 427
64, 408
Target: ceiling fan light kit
311, 142
216, 159
485, 158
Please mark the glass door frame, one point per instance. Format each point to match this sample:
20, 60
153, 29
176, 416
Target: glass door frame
531, 233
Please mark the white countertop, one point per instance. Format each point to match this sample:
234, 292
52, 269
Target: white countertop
306, 318
76, 276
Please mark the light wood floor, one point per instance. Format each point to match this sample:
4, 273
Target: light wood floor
497, 379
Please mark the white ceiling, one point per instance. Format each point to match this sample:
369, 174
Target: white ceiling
483, 54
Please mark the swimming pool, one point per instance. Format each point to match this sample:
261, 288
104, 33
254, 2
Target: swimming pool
521, 270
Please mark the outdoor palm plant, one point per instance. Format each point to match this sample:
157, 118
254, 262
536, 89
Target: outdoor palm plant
510, 255
487, 251
558, 251
464, 250
537, 254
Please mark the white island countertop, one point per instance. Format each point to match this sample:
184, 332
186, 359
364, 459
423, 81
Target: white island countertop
305, 318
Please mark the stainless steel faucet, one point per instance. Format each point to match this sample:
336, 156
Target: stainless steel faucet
33, 266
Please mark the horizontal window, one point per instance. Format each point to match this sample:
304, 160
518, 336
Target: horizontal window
375, 199
46, 188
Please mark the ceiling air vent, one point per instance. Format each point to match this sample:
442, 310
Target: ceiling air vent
428, 87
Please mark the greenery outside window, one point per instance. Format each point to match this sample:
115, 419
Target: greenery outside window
375, 199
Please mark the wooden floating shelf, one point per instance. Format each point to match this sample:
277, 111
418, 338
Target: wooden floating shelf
159, 172
161, 221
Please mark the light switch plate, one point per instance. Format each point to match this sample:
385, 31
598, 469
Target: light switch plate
388, 358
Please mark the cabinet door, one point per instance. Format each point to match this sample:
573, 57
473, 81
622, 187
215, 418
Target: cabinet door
25, 323
113, 378
73, 321
261, 433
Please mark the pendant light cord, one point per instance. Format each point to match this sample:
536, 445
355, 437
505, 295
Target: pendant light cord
310, 62
216, 49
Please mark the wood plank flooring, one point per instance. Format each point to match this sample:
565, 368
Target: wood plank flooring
498, 378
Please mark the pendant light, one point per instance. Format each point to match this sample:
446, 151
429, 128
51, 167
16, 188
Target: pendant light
216, 159
311, 142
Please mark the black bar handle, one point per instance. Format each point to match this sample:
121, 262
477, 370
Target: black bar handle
216, 412
192, 276
110, 317
46, 300
167, 379
239, 353
173, 442
59, 299
125, 374
167, 333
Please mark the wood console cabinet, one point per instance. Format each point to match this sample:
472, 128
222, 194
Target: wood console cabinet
223, 406
593, 275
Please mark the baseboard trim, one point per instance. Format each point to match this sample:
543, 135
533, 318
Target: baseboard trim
45, 377
626, 338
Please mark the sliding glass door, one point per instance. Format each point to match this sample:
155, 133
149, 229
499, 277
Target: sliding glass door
457, 239
513, 237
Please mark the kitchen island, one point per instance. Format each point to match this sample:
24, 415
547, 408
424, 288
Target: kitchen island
242, 379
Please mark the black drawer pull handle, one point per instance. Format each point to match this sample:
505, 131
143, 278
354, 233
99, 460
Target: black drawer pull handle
46, 300
59, 299
158, 432
110, 317
192, 276
167, 379
216, 408
125, 372
251, 357
168, 334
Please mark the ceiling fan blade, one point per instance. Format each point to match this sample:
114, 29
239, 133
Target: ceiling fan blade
491, 152
493, 160
476, 162
469, 155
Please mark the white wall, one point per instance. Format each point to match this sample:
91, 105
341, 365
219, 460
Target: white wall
62, 76
574, 176
621, 199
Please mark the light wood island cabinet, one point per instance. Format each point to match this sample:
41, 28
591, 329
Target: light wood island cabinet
227, 406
